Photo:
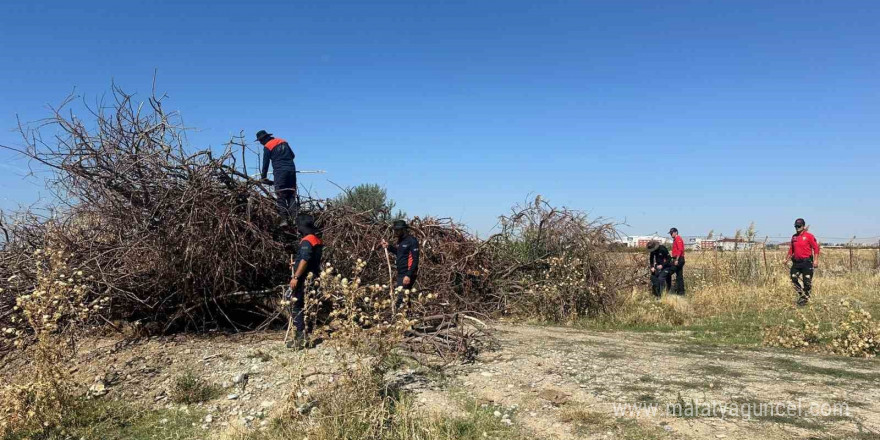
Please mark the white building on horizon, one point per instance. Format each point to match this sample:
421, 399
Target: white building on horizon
641, 241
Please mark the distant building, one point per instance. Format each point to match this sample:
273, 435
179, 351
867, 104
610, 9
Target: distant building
706, 244
732, 244
641, 241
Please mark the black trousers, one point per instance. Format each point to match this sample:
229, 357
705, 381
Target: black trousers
658, 279
412, 282
678, 270
802, 269
285, 194
297, 305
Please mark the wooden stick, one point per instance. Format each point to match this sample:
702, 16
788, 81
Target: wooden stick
289, 312
287, 333
390, 281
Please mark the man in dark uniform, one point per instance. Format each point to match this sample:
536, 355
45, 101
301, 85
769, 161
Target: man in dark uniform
308, 261
406, 254
278, 153
804, 256
661, 266
677, 262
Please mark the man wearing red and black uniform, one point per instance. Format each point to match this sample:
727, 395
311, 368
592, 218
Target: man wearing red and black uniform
804, 256
308, 261
278, 153
677, 261
406, 257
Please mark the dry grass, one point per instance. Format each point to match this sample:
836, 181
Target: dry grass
363, 405
189, 388
736, 297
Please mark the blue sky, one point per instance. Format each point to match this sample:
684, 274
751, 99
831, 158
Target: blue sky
702, 115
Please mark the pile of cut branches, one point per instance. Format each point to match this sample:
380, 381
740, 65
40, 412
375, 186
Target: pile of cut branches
160, 230
178, 239
558, 264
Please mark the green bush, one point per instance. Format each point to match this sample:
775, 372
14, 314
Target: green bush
372, 200
189, 388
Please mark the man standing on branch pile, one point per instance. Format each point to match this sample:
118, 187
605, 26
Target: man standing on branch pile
308, 261
677, 261
804, 256
406, 257
660, 264
278, 152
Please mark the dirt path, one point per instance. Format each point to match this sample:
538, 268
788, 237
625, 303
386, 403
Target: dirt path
550, 382
565, 383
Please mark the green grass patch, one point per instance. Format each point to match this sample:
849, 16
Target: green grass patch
590, 422
189, 388
403, 423
698, 384
105, 420
610, 355
719, 370
798, 422
646, 398
737, 330
788, 365
637, 388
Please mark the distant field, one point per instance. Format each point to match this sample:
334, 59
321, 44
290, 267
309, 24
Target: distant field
732, 297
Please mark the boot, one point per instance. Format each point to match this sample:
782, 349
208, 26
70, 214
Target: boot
803, 300
298, 342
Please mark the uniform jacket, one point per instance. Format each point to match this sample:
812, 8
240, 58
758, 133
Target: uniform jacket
677, 247
660, 256
406, 256
803, 246
278, 153
310, 249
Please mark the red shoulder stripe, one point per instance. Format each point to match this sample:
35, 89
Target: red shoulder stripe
313, 240
274, 143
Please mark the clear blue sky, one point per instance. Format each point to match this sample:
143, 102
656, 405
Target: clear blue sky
703, 115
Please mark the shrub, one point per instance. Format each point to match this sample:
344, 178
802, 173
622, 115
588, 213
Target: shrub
372, 200
565, 292
59, 301
189, 388
852, 332
858, 335
40, 403
362, 406
800, 333
555, 263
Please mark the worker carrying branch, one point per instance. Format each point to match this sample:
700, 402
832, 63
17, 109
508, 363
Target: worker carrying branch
804, 256
278, 152
406, 257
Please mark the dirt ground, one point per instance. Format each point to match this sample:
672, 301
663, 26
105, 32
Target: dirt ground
566, 383
549, 382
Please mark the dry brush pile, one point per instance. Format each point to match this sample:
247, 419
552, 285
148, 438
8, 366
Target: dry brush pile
149, 231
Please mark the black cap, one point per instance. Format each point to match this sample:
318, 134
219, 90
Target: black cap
799, 222
262, 134
653, 245
671, 230
305, 224
399, 225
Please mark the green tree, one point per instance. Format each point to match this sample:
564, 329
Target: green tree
372, 200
